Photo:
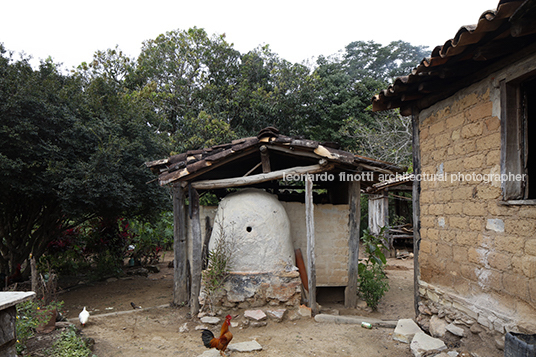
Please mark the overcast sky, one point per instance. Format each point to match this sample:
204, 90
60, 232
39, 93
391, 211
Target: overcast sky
70, 31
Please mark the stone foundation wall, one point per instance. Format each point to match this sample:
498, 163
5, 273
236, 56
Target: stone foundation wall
477, 256
245, 291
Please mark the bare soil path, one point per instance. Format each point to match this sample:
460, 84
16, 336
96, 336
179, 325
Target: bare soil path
122, 331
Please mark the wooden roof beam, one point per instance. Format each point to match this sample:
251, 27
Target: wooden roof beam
322, 166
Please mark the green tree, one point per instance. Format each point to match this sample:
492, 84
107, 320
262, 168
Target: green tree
382, 63
70, 149
201, 132
389, 138
346, 85
339, 97
272, 92
184, 73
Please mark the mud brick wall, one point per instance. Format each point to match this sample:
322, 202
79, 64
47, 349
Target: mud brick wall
331, 240
477, 256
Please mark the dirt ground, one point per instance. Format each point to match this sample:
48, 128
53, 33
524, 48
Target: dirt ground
119, 330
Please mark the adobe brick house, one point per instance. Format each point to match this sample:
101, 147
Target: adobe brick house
473, 105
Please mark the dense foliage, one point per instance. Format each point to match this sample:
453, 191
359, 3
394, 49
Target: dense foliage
70, 149
72, 146
99, 247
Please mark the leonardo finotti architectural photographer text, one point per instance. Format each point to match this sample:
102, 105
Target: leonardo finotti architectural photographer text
444, 177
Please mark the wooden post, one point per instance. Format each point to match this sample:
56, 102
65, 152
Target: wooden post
416, 211
310, 225
180, 261
196, 251
265, 159
33, 272
350, 293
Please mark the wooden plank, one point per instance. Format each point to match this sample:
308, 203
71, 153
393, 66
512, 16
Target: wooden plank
259, 178
517, 202
180, 267
511, 141
197, 261
293, 152
252, 169
350, 293
310, 228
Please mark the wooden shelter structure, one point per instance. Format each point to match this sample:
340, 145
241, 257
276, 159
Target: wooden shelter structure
275, 163
379, 209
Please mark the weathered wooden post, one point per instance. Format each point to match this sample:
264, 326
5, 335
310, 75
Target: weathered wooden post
196, 251
416, 211
310, 228
180, 267
350, 293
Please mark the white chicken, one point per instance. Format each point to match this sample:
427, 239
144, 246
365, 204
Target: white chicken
83, 317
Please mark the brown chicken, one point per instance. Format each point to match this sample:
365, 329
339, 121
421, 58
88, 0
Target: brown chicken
221, 342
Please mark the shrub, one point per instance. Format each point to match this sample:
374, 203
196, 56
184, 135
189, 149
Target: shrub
218, 267
97, 246
151, 238
373, 285
31, 314
372, 280
70, 344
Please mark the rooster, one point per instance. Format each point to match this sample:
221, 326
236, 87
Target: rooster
221, 342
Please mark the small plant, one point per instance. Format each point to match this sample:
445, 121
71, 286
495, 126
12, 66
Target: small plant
218, 267
374, 244
30, 315
373, 282
27, 321
373, 285
70, 344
